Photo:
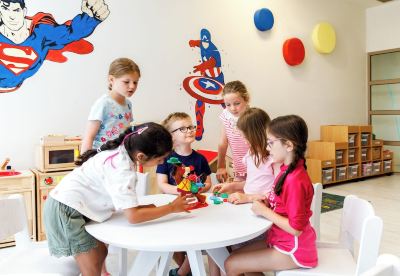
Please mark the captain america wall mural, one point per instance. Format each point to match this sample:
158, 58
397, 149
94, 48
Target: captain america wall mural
26, 42
206, 87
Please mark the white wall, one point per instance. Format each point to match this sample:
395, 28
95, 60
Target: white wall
325, 89
383, 27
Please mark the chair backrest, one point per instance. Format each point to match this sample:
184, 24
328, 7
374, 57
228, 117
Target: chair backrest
359, 224
316, 208
143, 184
13, 219
214, 180
387, 265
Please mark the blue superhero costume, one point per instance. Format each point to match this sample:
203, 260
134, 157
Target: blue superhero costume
211, 59
210, 68
21, 61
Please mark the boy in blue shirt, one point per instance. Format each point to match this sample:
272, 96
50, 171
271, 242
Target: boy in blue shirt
183, 132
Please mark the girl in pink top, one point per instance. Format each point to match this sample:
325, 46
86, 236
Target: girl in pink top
253, 125
236, 99
290, 241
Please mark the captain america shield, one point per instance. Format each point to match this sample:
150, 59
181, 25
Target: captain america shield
204, 89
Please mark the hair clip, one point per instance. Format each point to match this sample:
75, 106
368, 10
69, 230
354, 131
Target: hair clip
98, 150
141, 130
138, 132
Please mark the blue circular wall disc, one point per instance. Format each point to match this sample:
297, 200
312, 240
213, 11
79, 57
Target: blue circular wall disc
263, 19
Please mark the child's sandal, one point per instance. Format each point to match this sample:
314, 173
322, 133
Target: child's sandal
174, 272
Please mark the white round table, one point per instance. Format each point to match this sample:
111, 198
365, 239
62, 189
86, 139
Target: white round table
211, 228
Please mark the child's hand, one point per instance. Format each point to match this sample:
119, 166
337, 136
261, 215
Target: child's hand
237, 198
259, 208
222, 188
222, 175
182, 203
217, 188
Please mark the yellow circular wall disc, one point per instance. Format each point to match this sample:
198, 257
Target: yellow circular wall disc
324, 38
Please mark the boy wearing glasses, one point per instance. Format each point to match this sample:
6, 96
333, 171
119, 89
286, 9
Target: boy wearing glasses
183, 132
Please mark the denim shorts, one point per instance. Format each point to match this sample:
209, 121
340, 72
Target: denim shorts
65, 230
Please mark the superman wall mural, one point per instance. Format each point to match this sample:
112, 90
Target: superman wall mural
207, 86
26, 42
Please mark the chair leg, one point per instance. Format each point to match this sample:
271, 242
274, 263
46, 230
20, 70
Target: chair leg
123, 261
219, 255
164, 263
144, 262
196, 263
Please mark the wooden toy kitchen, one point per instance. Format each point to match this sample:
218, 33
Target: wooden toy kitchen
55, 157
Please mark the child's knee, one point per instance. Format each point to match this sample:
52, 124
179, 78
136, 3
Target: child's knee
102, 251
229, 265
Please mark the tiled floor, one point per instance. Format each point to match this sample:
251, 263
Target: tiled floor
384, 195
382, 192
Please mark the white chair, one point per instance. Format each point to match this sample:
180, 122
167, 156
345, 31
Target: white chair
387, 265
29, 257
143, 184
359, 224
214, 180
316, 208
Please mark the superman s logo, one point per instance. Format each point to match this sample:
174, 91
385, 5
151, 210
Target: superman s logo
17, 59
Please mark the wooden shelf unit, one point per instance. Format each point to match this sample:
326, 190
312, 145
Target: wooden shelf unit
346, 153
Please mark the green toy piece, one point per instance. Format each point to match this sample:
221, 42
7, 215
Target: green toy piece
217, 201
173, 160
224, 195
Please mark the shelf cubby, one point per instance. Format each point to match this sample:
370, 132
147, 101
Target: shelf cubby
345, 153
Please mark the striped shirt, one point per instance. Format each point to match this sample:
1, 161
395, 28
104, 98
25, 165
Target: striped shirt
236, 141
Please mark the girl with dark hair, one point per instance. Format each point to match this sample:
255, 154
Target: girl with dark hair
291, 238
105, 182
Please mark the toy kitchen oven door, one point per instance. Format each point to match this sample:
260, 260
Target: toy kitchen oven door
56, 155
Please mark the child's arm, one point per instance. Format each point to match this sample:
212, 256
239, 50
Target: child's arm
91, 130
229, 187
239, 198
207, 184
149, 212
165, 187
222, 175
259, 208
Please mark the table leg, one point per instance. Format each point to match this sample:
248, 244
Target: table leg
219, 256
196, 262
163, 265
144, 262
123, 261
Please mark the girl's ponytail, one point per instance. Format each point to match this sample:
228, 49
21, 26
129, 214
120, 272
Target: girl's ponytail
109, 145
281, 180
